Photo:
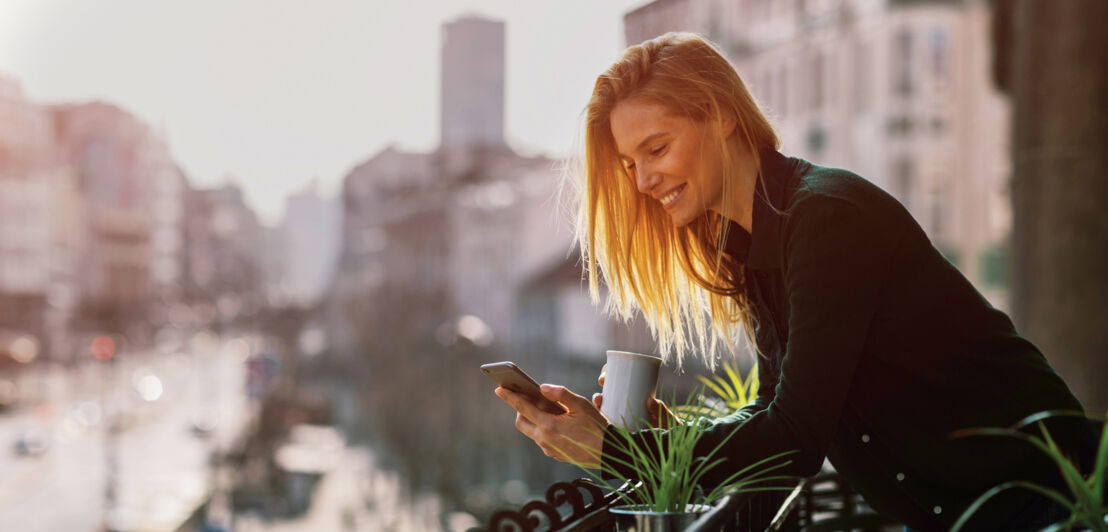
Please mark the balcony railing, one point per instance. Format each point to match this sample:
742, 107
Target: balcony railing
822, 502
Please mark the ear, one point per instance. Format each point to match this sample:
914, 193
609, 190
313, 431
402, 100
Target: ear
728, 121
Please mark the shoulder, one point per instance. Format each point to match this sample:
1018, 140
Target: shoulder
833, 202
823, 185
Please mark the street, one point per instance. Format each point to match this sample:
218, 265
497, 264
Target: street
162, 473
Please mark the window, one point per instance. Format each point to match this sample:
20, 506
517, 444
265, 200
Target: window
938, 126
904, 181
861, 77
816, 96
902, 63
939, 51
816, 139
783, 90
995, 265
938, 209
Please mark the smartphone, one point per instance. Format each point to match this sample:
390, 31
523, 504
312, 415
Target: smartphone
510, 377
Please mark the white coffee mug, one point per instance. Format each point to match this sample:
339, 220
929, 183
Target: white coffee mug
630, 381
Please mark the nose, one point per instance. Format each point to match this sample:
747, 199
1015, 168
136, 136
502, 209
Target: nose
647, 179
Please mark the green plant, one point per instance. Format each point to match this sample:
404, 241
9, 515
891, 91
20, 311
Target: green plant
1086, 503
668, 474
733, 391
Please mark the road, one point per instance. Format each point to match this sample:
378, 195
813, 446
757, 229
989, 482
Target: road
162, 465
358, 496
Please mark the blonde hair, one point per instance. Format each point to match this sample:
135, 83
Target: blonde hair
677, 277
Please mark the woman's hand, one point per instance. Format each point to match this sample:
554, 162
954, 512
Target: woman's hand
576, 436
660, 415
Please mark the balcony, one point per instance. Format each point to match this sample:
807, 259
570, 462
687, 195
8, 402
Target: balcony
819, 503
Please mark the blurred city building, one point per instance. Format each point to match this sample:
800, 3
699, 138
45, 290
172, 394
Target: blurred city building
92, 222
223, 250
472, 93
468, 243
111, 154
437, 248
41, 214
307, 245
895, 90
449, 229
376, 195
101, 233
167, 241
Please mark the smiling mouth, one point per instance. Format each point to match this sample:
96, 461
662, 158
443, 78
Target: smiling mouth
668, 199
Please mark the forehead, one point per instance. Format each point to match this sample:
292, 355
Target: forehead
635, 119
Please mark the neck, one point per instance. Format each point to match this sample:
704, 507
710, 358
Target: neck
747, 180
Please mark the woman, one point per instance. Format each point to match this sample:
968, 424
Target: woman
872, 348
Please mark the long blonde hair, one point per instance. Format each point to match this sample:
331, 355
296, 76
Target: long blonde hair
677, 277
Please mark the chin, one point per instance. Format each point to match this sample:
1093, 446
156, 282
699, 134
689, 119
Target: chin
681, 219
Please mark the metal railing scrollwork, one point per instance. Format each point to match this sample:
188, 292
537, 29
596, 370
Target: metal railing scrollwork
544, 515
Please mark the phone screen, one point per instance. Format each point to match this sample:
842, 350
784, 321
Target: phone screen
510, 377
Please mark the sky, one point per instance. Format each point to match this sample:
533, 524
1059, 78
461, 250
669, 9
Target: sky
277, 94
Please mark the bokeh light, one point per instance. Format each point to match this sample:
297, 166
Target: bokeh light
149, 387
103, 348
24, 350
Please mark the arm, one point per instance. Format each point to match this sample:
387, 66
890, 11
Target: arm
836, 268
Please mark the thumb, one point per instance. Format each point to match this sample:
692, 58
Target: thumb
562, 395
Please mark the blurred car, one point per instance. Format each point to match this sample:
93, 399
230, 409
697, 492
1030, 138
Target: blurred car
32, 442
203, 424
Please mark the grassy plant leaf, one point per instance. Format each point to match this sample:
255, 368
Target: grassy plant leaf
972, 509
987, 431
749, 476
1100, 470
715, 388
1040, 416
736, 384
1070, 474
667, 471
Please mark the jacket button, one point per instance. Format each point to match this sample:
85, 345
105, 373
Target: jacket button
865, 438
938, 510
899, 477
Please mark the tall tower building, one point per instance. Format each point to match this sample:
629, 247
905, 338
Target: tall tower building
311, 243
472, 83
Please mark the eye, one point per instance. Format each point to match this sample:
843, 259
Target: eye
658, 149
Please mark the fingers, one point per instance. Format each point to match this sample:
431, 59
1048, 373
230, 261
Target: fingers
562, 395
603, 372
532, 431
528, 428
660, 416
575, 437
597, 399
522, 404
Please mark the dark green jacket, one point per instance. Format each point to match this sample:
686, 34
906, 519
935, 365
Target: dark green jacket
876, 349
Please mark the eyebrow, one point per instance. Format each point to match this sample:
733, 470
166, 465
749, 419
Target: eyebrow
644, 142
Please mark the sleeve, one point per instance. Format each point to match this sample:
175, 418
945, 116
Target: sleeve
836, 264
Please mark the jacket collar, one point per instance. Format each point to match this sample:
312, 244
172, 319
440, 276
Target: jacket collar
762, 250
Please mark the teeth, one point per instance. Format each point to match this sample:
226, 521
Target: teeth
669, 197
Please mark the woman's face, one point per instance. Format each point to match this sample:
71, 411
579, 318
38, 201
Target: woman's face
667, 156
